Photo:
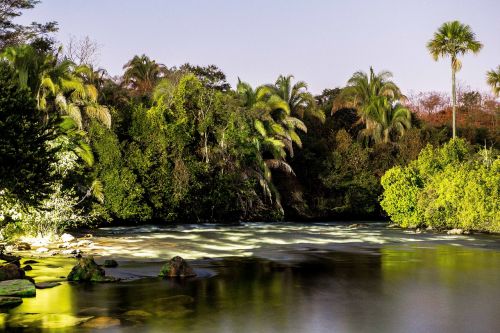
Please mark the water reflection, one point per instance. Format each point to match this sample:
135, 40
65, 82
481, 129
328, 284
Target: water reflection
423, 286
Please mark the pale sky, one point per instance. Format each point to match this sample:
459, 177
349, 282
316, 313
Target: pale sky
322, 42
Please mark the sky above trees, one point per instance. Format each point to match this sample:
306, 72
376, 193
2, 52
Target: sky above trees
319, 41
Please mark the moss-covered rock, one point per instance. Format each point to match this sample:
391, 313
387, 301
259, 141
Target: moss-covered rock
10, 302
87, 271
11, 272
177, 267
46, 285
19, 288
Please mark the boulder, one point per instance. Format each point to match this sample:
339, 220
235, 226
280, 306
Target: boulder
46, 285
66, 238
18, 288
27, 268
42, 250
455, 232
10, 258
10, 302
177, 267
22, 246
102, 323
87, 271
70, 251
110, 263
84, 242
11, 272
27, 262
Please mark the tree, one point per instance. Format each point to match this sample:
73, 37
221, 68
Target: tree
25, 153
493, 79
270, 114
373, 96
16, 34
300, 101
453, 39
210, 76
142, 74
84, 51
387, 118
57, 84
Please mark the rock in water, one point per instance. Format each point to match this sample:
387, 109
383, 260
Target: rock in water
87, 270
110, 263
455, 232
18, 288
27, 262
66, 238
22, 246
11, 272
177, 267
102, 323
10, 302
10, 258
46, 285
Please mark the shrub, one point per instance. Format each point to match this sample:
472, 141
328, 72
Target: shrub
449, 187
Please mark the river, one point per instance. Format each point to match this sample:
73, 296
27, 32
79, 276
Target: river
274, 277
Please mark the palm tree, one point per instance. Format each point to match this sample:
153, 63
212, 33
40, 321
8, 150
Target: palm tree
272, 113
363, 89
493, 79
272, 138
300, 101
386, 119
57, 84
453, 39
142, 74
367, 92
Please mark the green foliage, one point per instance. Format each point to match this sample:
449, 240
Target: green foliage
377, 101
448, 187
346, 173
25, 154
122, 194
14, 34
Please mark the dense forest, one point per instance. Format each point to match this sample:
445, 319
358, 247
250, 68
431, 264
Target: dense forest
180, 144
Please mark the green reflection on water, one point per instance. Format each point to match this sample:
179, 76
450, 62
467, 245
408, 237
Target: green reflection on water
447, 263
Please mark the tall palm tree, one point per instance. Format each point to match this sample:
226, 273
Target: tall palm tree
142, 74
493, 79
387, 118
300, 101
453, 39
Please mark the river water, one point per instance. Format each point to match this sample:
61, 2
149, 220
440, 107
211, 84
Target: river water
282, 277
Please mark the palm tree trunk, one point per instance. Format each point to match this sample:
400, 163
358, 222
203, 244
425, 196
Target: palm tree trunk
454, 98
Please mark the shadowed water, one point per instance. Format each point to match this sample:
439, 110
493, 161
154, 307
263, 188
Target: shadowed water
276, 278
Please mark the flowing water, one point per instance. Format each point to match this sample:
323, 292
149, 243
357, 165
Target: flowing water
286, 277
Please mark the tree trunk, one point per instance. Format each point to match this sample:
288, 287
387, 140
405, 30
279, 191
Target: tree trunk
454, 99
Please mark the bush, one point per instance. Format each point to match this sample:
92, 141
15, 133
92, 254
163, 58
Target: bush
449, 187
